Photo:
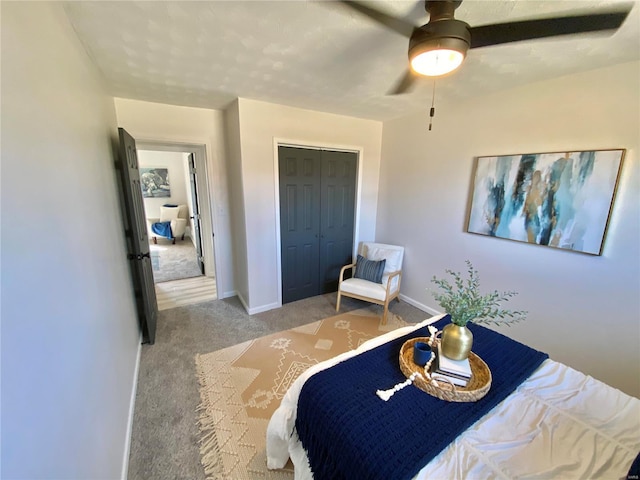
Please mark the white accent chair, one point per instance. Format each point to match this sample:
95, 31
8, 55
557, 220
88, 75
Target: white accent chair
369, 291
178, 217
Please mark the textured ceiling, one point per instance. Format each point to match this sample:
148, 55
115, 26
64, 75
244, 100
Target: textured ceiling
318, 55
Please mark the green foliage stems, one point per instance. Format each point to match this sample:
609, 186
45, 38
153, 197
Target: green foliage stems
464, 303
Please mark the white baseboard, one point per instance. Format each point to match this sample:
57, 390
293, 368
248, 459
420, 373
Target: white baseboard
232, 293
244, 304
271, 306
421, 306
132, 405
263, 308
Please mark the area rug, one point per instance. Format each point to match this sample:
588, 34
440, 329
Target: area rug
173, 261
241, 386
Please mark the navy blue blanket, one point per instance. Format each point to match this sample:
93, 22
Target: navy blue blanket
348, 432
162, 228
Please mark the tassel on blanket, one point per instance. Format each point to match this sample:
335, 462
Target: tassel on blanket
387, 394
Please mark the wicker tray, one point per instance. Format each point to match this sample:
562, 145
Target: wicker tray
477, 387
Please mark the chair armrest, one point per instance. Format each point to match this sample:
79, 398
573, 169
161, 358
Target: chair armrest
342, 270
397, 273
178, 226
153, 220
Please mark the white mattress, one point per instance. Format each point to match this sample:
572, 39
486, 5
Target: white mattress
559, 423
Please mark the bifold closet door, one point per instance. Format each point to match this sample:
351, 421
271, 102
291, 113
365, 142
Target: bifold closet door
337, 215
317, 210
299, 222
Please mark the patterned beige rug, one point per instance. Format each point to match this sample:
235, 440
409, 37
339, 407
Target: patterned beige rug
241, 387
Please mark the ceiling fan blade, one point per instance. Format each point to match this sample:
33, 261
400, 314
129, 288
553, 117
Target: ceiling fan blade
487, 35
393, 23
404, 84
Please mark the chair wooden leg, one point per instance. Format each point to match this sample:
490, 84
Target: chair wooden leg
338, 302
155, 240
386, 310
174, 240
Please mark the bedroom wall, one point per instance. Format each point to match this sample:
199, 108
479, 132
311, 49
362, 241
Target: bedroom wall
261, 125
70, 336
156, 122
175, 162
583, 310
234, 168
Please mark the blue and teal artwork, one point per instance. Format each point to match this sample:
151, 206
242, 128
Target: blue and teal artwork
155, 182
560, 200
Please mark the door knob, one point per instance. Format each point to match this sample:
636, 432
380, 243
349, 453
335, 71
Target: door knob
138, 256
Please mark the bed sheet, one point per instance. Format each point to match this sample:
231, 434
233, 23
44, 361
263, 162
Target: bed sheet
559, 423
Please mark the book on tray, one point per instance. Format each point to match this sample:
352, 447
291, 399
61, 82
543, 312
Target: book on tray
457, 372
446, 378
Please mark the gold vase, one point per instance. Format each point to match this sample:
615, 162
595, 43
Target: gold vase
456, 342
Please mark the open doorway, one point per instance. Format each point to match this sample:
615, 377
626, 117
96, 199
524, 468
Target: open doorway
171, 208
176, 194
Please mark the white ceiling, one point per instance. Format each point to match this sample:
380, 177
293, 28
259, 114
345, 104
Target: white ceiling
318, 55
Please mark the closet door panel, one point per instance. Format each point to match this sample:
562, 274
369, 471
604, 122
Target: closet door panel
300, 176
337, 215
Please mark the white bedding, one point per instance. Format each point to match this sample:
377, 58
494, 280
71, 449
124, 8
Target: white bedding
559, 423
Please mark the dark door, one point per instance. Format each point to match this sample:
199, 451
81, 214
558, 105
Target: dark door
136, 236
337, 212
195, 209
299, 173
317, 209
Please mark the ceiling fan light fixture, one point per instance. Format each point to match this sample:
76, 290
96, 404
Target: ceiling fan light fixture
434, 63
435, 57
440, 46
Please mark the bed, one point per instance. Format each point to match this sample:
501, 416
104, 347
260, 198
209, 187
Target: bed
557, 423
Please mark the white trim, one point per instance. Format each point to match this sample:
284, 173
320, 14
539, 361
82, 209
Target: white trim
312, 145
244, 304
315, 146
263, 308
132, 406
232, 293
419, 305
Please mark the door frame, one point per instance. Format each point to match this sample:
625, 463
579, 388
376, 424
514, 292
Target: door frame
207, 208
313, 145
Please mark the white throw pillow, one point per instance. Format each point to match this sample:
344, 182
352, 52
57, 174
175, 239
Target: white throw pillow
377, 253
167, 214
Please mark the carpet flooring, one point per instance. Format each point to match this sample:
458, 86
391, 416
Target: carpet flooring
173, 262
242, 385
165, 435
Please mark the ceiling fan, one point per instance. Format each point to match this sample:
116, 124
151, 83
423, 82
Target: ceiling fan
440, 46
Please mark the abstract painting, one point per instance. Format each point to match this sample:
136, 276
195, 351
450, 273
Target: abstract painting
560, 200
155, 182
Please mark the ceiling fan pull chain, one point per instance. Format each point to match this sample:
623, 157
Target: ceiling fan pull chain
432, 112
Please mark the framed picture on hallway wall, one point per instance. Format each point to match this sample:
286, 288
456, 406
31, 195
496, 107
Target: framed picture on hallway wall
561, 199
155, 182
